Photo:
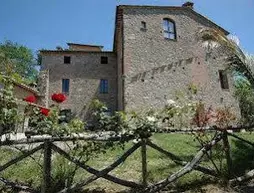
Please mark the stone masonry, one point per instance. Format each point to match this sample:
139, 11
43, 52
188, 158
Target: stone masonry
84, 72
156, 68
144, 69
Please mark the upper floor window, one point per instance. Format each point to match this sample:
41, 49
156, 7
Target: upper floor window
223, 79
104, 60
143, 26
104, 86
169, 29
67, 59
65, 86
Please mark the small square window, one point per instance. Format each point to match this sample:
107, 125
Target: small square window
143, 25
223, 79
104, 60
67, 59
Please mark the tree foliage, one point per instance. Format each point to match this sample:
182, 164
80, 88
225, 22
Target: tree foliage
20, 58
8, 107
245, 94
239, 62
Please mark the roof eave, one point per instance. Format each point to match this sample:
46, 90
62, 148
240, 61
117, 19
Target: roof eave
28, 88
88, 45
74, 51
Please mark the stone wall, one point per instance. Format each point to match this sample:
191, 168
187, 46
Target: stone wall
119, 51
145, 69
156, 68
84, 72
88, 48
43, 87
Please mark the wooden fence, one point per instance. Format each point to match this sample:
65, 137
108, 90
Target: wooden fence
48, 146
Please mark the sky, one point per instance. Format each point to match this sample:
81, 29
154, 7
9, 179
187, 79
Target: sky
45, 24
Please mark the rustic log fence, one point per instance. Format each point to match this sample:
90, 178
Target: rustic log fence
47, 144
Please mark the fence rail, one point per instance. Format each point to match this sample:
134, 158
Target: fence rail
48, 146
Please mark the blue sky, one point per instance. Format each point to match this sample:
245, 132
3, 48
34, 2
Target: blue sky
49, 23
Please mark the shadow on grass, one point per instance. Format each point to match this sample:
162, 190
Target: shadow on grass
194, 185
246, 189
184, 158
242, 157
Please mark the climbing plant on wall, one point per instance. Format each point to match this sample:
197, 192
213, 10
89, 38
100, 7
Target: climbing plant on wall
8, 107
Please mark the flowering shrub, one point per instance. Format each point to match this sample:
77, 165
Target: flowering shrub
140, 125
224, 117
47, 121
45, 111
178, 113
58, 97
30, 99
9, 115
103, 121
202, 116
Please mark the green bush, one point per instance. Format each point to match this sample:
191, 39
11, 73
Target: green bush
245, 95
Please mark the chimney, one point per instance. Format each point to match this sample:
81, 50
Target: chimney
188, 4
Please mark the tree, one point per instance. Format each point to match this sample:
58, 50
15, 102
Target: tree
239, 61
242, 64
245, 95
19, 58
9, 115
250, 61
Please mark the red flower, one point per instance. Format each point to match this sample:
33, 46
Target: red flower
30, 99
45, 111
58, 97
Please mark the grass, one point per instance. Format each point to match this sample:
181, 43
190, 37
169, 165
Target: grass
159, 166
27, 171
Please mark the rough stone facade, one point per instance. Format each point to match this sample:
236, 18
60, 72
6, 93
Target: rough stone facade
43, 85
82, 47
145, 69
84, 72
156, 68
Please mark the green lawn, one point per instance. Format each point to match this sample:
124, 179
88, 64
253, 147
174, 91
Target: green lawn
159, 166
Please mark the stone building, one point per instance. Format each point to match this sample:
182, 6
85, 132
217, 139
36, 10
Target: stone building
155, 54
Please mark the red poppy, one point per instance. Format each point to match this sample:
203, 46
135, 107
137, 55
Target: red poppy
30, 99
58, 97
45, 111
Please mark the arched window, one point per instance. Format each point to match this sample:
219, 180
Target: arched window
169, 29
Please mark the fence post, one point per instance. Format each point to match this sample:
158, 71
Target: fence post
47, 167
144, 162
227, 153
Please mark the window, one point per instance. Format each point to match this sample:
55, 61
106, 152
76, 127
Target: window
169, 29
104, 86
223, 79
67, 59
104, 60
143, 25
65, 86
